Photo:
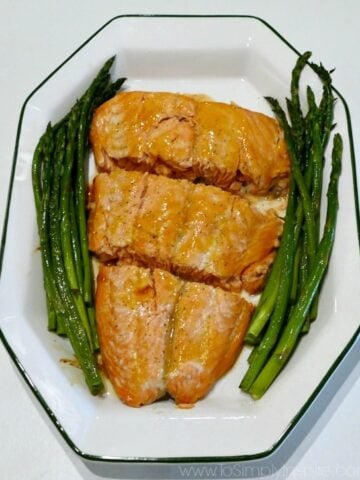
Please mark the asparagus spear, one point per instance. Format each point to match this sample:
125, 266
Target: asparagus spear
75, 243
305, 159
65, 196
41, 171
85, 112
38, 196
294, 107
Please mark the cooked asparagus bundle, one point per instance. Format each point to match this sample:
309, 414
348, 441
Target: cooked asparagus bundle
58, 175
289, 301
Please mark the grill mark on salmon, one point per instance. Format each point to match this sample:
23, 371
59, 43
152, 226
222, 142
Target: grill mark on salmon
181, 137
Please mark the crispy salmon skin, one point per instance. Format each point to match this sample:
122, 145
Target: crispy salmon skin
180, 136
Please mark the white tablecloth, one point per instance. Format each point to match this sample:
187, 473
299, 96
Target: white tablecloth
35, 37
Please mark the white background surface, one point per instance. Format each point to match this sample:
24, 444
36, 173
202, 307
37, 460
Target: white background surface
34, 39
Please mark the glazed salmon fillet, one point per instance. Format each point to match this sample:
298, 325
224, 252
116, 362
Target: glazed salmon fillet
160, 334
207, 331
180, 136
133, 309
198, 232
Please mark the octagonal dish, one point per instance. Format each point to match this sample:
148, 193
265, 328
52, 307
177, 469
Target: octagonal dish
230, 58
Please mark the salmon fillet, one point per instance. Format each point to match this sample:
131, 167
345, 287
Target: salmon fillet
180, 136
133, 309
208, 328
159, 334
198, 232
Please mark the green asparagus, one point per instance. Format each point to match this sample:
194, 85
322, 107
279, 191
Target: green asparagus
289, 301
59, 185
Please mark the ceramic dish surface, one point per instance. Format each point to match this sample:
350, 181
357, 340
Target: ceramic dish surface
240, 59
